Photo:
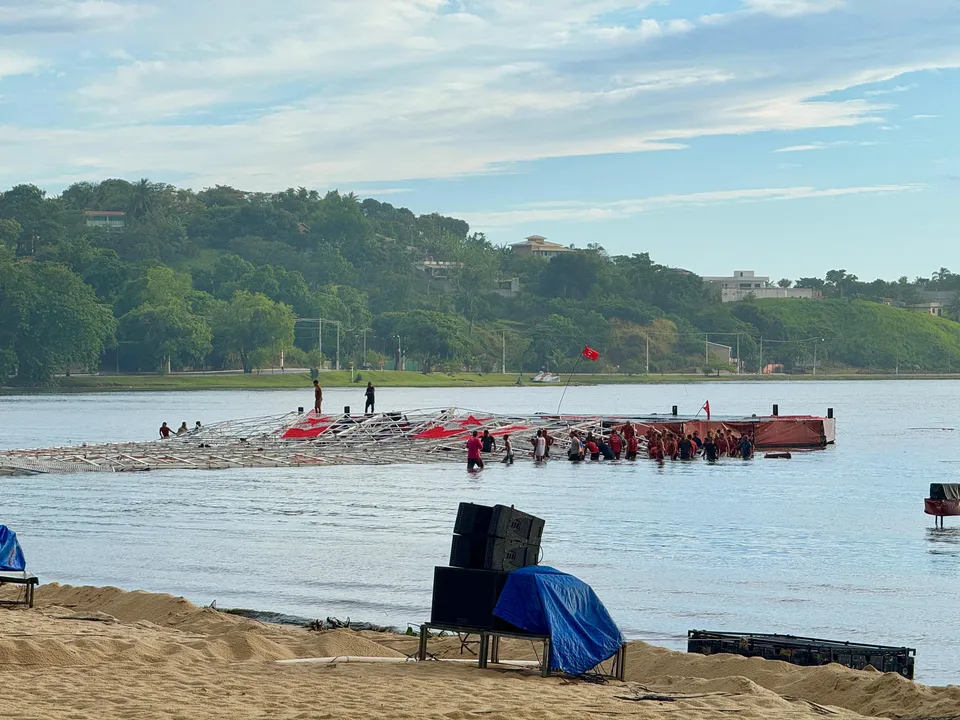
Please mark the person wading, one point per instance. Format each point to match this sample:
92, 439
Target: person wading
473, 453
317, 396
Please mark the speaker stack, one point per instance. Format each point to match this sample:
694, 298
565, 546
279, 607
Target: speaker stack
488, 543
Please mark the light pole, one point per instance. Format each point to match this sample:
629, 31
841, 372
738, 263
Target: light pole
399, 352
503, 359
646, 369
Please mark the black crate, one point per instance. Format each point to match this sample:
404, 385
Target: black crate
804, 651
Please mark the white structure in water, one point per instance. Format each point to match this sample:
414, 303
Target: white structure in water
746, 283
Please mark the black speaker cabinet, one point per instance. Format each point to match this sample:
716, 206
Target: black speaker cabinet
466, 598
491, 553
498, 521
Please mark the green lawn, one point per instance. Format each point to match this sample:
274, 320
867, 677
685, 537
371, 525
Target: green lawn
392, 378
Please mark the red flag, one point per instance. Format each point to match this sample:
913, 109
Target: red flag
590, 354
706, 406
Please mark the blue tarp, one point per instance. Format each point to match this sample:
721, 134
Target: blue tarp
11, 556
545, 601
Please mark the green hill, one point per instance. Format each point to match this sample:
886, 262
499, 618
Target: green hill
855, 333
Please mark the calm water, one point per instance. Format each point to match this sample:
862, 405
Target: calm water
832, 544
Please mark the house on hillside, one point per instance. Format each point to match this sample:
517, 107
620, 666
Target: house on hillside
744, 284
508, 287
539, 246
929, 307
109, 219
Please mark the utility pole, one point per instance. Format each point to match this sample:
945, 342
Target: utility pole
738, 353
815, 344
338, 346
647, 367
503, 359
760, 369
706, 349
363, 360
320, 335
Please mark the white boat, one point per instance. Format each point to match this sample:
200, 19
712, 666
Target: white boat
545, 377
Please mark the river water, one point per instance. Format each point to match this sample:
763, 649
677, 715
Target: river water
832, 543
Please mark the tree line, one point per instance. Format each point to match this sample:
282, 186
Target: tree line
223, 278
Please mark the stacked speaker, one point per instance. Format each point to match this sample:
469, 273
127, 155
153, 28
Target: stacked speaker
488, 543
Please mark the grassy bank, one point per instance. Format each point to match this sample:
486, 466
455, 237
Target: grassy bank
392, 378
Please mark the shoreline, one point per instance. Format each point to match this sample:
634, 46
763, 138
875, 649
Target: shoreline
104, 652
297, 380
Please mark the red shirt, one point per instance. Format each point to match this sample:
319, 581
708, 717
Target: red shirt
632, 443
165, 431
616, 444
592, 447
473, 448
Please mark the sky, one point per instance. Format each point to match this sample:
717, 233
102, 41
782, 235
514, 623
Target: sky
789, 137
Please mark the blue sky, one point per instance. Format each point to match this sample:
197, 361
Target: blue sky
785, 136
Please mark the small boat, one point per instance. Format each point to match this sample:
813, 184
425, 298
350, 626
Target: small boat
944, 501
545, 377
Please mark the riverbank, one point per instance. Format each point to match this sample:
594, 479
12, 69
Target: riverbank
275, 380
87, 652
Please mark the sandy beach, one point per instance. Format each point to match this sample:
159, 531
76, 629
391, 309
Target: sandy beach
87, 652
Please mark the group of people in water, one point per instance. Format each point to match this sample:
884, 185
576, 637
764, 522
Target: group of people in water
166, 431
622, 442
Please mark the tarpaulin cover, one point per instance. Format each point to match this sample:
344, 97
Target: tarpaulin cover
11, 556
296, 433
545, 601
440, 433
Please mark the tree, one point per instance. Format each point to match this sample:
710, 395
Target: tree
142, 200
52, 321
9, 232
250, 321
169, 334
953, 308
813, 283
784, 283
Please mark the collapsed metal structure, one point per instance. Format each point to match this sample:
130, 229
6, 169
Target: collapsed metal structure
307, 439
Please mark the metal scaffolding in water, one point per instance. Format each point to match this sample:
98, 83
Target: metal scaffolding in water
307, 439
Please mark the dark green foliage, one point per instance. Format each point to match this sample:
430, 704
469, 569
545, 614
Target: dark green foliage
216, 279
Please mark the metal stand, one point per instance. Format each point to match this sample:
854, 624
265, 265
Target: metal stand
28, 580
489, 650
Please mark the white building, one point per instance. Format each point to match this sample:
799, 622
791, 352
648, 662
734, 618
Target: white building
745, 284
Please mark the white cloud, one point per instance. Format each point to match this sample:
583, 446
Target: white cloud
792, 8
891, 91
32, 17
574, 211
17, 64
924, 117
826, 145
324, 92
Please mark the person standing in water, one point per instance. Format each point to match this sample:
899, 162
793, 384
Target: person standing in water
165, 431
540, 446
488, 442
368, 404
473, 453
317, 396
508, 449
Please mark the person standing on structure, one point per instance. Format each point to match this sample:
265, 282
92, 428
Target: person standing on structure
370, 399
317, 396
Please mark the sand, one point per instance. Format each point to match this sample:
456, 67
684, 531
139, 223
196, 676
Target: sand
103, 653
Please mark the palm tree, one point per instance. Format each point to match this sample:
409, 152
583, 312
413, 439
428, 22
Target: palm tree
142, 202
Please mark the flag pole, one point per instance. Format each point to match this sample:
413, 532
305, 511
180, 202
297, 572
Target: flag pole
575, 366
